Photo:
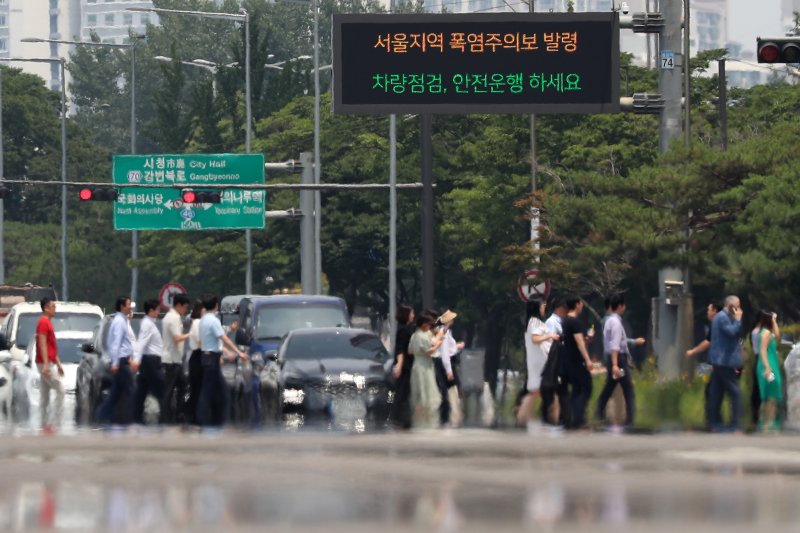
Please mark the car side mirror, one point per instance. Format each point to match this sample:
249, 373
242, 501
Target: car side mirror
241, 337
87, 347
4, 343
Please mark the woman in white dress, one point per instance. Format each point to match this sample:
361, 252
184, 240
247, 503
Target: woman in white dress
537, 346
425, 395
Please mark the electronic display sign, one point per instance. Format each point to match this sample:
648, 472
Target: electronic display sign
476, 63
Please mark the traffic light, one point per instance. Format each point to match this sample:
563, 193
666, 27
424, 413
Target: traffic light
99, 194
190, 196
778, 50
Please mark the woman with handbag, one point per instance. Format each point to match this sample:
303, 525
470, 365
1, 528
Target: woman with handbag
447, 353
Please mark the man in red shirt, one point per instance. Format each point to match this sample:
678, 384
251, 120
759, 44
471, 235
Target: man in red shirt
46, 357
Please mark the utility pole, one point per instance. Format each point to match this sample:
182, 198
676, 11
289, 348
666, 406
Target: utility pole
535, 214
673, 316
307, 259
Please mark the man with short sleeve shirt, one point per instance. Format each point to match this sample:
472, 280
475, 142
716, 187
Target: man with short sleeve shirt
576, 365
120, 348
172, 358
212, 339
46, 359
150, 379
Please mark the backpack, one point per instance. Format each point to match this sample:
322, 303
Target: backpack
550, 379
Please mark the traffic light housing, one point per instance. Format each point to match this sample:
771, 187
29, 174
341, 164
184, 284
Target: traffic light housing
99, 194
778, 50
190, 196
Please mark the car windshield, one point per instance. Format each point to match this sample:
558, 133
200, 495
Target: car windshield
335, 345
69, 350
275, 321
26, 327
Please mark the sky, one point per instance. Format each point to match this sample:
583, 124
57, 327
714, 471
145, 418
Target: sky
751, 18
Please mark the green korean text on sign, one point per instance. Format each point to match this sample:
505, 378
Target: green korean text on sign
161, 207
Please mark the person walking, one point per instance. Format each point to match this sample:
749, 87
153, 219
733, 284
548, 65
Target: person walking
618, 361
425, 395
725, 356
49, 365
711, 311
150, 378
537, 345
576, 365
448, 353
120, 348
172, 359
768, 372
403, 363
212, 340
195, 363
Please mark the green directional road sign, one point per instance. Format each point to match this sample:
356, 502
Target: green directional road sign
160, 208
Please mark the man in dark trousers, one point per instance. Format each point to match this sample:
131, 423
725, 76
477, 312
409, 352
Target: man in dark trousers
119, 346
150, 379
172, 358
576, 366
725, 356
618, 361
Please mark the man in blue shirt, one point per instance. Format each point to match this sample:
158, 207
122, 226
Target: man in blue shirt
212, 339
725, 356
119, 345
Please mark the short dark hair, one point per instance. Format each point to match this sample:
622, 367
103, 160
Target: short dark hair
121, 302
45, 302
558, 302
197, 309
210, 301
616, 301
572, 302
424, 318
606, 302
180, 299
717, 306
151, 304
403, 313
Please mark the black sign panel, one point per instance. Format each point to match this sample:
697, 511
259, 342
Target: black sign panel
476, 63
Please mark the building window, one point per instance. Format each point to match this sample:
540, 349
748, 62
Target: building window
145, 20
91, 20
109, 19
127, 19
2, 21
2, 44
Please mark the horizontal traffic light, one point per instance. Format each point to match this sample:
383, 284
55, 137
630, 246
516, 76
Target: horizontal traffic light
99, 194
778, 50
200, 197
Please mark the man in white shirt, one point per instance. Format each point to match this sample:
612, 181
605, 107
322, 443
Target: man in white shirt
148, 359
172, 358
553, 324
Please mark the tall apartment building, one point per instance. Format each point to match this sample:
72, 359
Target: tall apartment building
788, 9
65, 20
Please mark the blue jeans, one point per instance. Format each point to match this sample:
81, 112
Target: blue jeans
121, 387
213, 392
723, 380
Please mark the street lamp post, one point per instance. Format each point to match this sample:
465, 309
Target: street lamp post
132, 47
62, 63
242, 16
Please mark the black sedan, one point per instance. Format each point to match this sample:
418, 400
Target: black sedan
342, 374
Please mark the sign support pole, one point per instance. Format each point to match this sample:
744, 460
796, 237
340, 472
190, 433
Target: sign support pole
425, 133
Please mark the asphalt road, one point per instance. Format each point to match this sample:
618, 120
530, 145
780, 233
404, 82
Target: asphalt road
464, 480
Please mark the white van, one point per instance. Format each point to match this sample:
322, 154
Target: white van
19, 327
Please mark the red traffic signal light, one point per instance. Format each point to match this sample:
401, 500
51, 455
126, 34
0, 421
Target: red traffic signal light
778, 50
100, 194
201, 197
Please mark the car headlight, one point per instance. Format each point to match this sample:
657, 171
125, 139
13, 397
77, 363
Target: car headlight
293, 396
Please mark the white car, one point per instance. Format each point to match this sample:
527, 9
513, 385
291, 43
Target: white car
19, 326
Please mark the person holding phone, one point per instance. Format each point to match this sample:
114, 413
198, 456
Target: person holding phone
725, 356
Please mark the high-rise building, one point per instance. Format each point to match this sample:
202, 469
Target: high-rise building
73, 20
